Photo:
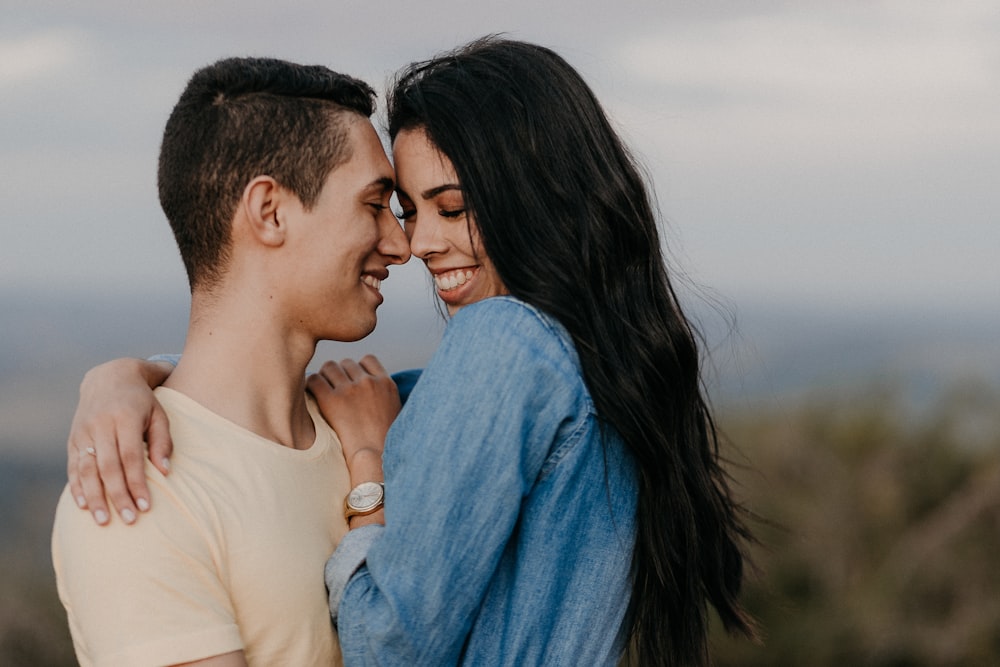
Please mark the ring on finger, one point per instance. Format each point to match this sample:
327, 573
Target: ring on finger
91, 451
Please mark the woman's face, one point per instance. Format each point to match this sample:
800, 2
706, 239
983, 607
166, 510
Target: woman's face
435, 221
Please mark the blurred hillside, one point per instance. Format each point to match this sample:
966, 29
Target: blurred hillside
33, 630
879, 530
868, 446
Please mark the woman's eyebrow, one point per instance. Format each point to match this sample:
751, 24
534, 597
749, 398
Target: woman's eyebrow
433, 192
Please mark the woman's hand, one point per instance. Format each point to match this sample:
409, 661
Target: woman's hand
115, 418
360, 401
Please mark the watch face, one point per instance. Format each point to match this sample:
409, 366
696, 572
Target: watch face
365, 496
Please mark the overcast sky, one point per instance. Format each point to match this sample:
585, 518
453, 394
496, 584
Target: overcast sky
840, 154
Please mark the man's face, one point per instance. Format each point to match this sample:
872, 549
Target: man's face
344, 245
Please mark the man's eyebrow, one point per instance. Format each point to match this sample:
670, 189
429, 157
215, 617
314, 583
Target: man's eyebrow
434, 192
384, 184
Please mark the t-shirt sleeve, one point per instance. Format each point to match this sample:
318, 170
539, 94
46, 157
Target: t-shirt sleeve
148, 594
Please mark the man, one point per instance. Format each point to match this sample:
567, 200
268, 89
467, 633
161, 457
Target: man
276, 187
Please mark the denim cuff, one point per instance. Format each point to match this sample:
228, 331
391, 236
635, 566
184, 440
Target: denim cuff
169, 358
347, 558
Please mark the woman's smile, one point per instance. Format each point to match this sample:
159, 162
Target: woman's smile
450, 280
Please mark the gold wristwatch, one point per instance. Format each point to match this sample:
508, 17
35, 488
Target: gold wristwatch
365, 498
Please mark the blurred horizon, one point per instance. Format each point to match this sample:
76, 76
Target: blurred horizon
754, 353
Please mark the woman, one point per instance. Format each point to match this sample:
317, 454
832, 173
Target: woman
553, 489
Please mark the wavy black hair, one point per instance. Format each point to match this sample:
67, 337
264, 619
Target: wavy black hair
565, 217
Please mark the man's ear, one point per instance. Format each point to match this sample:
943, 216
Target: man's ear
261, 201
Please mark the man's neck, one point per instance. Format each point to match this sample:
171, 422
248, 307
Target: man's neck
248, 368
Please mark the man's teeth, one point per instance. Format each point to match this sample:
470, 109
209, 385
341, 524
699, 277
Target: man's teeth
371, 281
452, 279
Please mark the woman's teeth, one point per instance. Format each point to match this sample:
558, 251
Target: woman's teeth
452, 279
371, 281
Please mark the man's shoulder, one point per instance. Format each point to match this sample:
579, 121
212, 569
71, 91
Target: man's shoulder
174, 520
124, 587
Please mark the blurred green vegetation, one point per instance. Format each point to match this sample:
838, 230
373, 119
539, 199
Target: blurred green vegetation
33, 630
879, 530
879, 527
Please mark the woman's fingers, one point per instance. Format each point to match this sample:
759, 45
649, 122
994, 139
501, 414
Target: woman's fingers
109, 465
72, 463
116, 416
353, 370
371, 364
333, 373
90, 485
319, 386
160, 446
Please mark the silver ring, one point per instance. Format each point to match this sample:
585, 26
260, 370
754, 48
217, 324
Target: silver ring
91, 451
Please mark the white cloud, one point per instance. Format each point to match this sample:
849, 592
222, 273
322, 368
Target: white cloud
848, 48
839, 80
39, 55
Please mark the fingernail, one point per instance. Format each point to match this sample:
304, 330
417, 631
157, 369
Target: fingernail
128, 516
101, 517
166, 464
81, 502
143, 504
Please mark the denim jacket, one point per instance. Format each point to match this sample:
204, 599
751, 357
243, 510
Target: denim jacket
509, 525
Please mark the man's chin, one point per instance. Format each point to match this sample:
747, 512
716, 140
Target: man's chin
356, 333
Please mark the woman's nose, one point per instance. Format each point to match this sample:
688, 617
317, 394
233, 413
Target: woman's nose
424, 238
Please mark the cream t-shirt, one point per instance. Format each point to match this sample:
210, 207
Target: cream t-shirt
230, 557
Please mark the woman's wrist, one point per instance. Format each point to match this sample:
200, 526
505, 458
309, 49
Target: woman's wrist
365, 465
120, 372
357, 521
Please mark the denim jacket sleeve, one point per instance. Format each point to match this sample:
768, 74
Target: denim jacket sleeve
473, 438
169, 358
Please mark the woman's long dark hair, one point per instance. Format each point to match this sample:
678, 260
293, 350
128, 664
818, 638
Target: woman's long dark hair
565, 217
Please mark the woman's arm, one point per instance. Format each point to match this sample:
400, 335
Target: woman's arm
115, 418
359, 400
464, 452
118, 416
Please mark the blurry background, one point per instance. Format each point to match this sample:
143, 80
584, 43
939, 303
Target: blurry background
827, 174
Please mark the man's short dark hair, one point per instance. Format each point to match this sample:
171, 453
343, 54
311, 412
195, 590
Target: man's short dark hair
241, 118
